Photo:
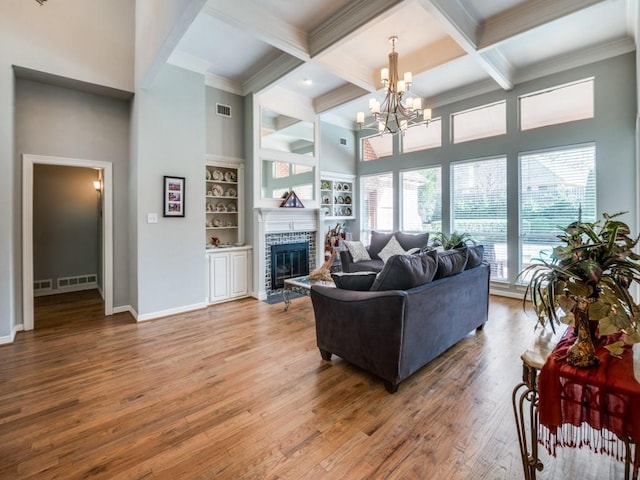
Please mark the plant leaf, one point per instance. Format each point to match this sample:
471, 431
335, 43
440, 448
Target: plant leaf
616, 349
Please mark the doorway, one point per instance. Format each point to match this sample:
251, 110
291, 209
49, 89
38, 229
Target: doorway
28, 162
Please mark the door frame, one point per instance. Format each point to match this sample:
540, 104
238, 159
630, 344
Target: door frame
28, 161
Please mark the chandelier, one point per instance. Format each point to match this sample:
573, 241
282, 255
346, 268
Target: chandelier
41, 1
399, 110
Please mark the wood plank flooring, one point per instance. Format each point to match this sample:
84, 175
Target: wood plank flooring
239, 391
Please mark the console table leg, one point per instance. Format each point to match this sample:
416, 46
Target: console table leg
286, 296
526, 392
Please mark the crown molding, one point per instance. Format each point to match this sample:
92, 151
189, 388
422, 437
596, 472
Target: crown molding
278, 68
222, 83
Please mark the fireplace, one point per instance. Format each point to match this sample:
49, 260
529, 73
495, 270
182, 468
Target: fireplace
287, 261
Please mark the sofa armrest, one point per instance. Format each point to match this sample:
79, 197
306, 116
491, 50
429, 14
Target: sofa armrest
346, 260
363, 328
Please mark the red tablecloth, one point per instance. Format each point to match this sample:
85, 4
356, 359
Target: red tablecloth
591, 407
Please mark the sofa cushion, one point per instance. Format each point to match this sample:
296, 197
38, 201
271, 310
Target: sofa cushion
357, 250
451, 262
360, 281
391, 248
366, 266
378, 242
402, 272
412, 240
475, 255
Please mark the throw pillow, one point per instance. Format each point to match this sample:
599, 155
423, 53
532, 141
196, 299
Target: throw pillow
391, 248
360, 281
475, 255
451, 262
378, 242
357, 250
402, 272
412, 240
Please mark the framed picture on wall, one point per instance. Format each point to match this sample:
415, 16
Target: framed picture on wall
173, 196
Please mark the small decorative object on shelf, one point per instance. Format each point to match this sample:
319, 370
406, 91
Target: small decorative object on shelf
292, 201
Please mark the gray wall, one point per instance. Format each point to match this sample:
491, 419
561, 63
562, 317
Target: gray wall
612, 130
66, 222
56, 121
170, 140
225, 136
333, 156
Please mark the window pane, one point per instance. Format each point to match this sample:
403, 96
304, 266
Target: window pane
481, 122
421, 137
376, 147
479, 208
557, 105
556, 188
377, 205
421, 200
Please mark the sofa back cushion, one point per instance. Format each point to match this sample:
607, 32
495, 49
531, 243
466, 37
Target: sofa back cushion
357, 250
360, 281
475, 255
451, 262
410, 241
402, 272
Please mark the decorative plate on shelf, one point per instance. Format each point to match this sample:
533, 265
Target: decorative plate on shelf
325, 199
221, 208
347, 212
217, 191
208, 175
339, 186
346, 187
230, 177
231, 207
217, 222
347, 200
217, 175
340, 200
326, 211
231, 192
324, 185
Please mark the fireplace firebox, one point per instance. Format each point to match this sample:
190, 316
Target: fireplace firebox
288, 261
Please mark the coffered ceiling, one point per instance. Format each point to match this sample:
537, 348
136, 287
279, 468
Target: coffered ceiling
331, 51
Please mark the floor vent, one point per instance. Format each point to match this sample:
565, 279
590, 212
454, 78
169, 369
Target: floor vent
78, 282
42, 285
223, 110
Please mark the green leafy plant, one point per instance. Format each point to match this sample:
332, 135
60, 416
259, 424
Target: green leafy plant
453, 240
596, 262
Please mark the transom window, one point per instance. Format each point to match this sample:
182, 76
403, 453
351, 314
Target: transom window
480, 122
376, 147
421, 137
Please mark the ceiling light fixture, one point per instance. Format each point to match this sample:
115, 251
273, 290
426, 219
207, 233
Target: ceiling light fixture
393, 115
308, 81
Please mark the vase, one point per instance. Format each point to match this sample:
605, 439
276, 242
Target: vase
582, 353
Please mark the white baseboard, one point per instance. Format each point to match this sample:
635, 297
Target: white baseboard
10, 338
172, 311
506, 293
126, 308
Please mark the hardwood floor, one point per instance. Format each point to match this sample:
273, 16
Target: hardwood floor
239, 391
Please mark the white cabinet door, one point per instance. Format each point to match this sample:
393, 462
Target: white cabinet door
238, 274
218, 277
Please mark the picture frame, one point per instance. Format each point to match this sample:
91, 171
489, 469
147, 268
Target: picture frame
173, 195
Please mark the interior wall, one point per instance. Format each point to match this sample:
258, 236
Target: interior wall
57, 121
225, 136
170, 140
335, 157
66, 222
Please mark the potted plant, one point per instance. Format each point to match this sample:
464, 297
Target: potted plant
453, 240
588, 279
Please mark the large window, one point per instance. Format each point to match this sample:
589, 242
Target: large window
565, 103
421, 137
376, 193
421, 200
479, 207
376, 147
481, 122
557, 187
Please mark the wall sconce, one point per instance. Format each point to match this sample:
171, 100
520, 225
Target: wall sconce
97, 184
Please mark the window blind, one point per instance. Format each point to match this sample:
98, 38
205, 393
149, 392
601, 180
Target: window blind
377, 204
